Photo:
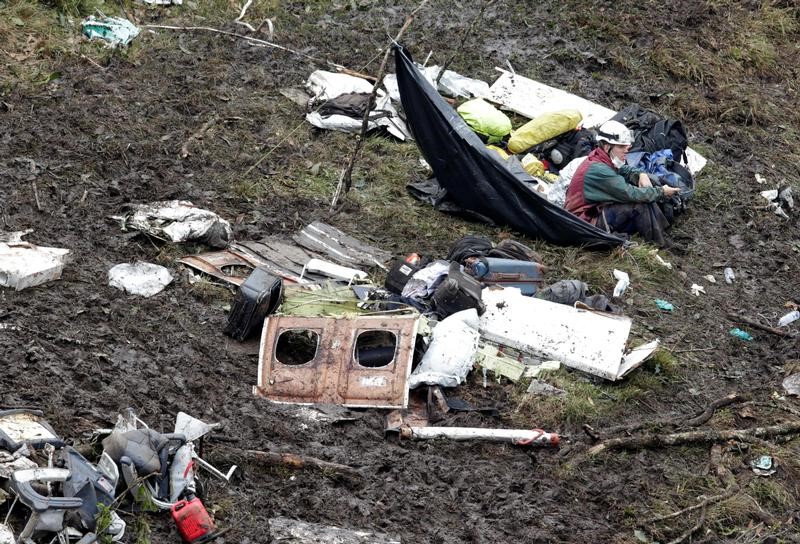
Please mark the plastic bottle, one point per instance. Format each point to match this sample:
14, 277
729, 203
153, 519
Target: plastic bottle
791, 317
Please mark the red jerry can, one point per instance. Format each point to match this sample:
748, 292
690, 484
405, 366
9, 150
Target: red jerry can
194, 523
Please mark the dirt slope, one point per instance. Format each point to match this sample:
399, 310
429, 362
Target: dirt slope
108, 129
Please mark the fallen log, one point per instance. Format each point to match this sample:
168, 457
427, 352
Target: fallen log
692, 437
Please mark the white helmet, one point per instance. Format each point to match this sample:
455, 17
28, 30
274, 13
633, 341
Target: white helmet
614, 133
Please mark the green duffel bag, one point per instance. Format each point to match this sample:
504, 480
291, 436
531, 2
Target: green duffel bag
485, 119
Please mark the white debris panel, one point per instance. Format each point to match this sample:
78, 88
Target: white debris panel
586, 340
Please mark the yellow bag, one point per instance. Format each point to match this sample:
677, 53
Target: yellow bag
543, 128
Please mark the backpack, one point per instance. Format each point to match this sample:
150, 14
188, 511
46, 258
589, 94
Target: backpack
561, 150
652, 132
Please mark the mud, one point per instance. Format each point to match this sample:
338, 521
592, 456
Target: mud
75, 150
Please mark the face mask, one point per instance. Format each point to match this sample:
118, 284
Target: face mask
617, 162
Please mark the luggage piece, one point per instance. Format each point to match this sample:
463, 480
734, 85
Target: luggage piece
257, 297
457, 292
527, 276
399, 274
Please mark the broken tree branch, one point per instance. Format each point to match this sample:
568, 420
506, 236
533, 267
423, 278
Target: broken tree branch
757, 325
693, 529
706, 414
291, 460
348, 175
197, 135
695, 421
692, 437
256, 41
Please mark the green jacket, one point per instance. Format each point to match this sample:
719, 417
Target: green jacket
597, 181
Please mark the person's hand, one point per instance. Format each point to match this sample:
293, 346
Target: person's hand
644, 180
671, 191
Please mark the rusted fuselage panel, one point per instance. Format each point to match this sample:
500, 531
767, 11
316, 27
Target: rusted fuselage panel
360, 361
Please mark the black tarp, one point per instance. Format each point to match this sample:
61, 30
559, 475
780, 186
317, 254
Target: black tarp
476, 178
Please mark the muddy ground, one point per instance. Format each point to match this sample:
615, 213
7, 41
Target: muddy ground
107, 130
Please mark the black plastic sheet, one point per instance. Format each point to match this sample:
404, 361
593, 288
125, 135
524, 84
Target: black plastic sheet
478, 179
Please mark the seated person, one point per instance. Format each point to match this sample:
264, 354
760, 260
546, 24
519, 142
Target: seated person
610, 194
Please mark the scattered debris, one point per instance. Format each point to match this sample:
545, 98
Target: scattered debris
740, 334
292, 531
177, 221
697, 289
492, 358
623, 281
538, 387
340, 247
779, 201
664, 305
350, 361
729, 275
763, 466
792, 384
710, 278
791, 317
114, 30
20, 427
533, 370
141, 278
661, 261
334, 270
24, 265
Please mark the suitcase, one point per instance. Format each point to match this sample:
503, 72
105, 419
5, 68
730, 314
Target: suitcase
457, 292
256, 298
527, 276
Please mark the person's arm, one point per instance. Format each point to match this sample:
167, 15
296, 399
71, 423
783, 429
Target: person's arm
602, 184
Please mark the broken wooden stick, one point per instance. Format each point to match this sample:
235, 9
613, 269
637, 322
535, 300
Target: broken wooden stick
292, 460
36, 196
197, 135
692, 437
757, 325
348, 175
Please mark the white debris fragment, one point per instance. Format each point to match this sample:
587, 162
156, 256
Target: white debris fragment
791, 317
24, 265
143, 279
759, 179
178, 221
710, 278
452, 352
661, 261
623, 281
729, 275
697, 289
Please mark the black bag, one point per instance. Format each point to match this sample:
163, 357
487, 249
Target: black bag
399, 274
511, 249
457, 292
256, 298
652, 132
469, 246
